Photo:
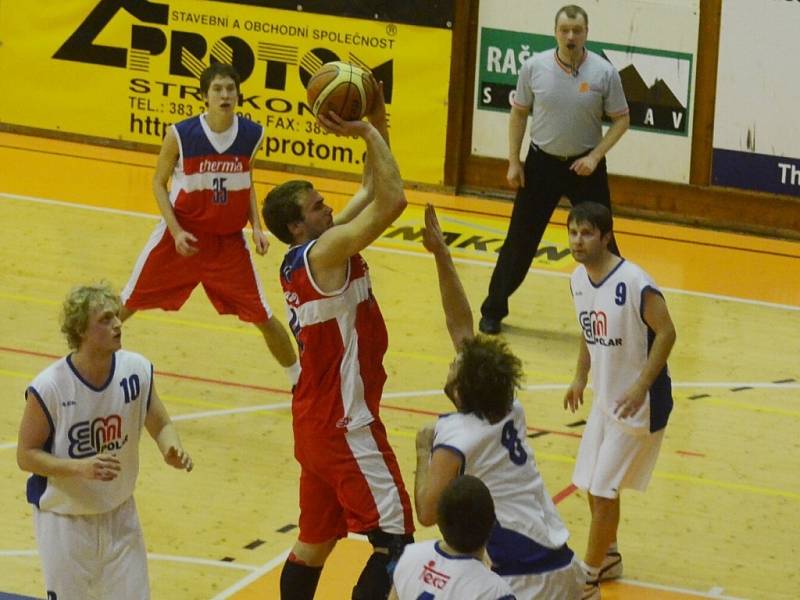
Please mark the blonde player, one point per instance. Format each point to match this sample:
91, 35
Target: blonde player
79, 436
627, 336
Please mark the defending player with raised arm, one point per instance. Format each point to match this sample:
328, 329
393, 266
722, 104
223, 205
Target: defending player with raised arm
628, 335
212, 197
350, 479
486, 437
79, 436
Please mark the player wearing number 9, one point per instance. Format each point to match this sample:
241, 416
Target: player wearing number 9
486, 438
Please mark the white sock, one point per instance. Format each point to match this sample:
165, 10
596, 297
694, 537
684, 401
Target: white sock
612, 548
293, 373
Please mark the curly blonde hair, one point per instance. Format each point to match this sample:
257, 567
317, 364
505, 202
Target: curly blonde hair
78, 306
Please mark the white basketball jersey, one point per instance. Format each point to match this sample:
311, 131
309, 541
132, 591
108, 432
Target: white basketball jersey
529, 533
425, 570
610, 314
85, 421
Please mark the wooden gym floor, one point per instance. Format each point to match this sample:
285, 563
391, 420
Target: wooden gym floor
720, 517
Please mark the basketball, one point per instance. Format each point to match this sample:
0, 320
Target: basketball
341, 87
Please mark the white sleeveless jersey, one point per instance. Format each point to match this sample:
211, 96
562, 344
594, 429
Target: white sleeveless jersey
425, 570
529, 536
85, 421
610, 314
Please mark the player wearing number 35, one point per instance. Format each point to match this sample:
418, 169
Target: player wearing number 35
200, 238
485, 438
79, 436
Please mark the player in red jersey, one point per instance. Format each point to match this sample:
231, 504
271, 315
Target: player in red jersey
350, 479
200, 239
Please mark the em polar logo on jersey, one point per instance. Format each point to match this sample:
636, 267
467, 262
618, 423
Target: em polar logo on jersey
433, 577
102, 434
595, 328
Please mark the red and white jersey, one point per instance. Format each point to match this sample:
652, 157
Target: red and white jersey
426, 570
87, 420
211, 182
342, 338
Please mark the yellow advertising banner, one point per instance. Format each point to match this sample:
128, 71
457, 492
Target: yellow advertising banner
126, 70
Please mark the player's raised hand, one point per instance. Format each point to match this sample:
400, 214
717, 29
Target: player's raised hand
573, 397
260, 241
102, 467
178, 458
377, 111
432, 237
333, 123
184, 244
425, 438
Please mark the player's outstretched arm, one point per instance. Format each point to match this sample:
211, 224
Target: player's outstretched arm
161, 429
167, 158
339, 243
34, 430
457, 312
366, 193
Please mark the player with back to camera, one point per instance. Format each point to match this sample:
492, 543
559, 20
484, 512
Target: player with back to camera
350, 479
486, 437
200, 238
79, 436
628, 335
453, 568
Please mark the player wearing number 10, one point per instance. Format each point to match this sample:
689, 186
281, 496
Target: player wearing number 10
200, 238
486, 438
79, 436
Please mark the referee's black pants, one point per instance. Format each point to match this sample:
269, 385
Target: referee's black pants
547, 178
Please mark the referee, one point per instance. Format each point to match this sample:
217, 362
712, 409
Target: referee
569, 89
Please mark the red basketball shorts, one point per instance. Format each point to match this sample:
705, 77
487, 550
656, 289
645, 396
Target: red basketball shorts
350, 481
164, 279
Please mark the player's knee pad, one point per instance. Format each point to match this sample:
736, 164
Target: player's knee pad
376, 578
395, 543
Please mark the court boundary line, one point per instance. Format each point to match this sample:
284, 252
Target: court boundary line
486, 213
714, 592
38, 200
155, 556
254, 576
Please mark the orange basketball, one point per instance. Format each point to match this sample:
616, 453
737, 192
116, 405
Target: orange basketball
341, 87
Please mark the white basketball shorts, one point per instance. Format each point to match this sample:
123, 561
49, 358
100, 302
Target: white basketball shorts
93, 557
565, 583
612, 456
